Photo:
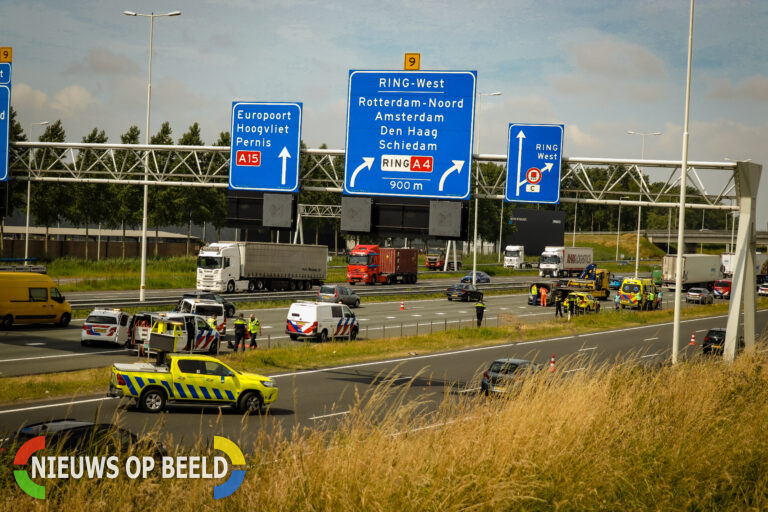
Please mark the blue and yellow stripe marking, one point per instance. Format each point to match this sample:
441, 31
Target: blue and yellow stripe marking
192, 391
182, 394
130, 385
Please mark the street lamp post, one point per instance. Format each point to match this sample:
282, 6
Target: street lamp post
29, 190
618, 228
639, 207
151, 17
477, 172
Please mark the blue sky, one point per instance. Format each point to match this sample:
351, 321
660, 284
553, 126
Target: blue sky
599, 67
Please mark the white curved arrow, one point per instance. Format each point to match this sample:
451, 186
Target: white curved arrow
367, 162
520, 137
457, 165
547, 167
284, 154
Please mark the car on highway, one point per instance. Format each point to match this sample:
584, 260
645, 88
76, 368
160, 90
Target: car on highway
722, 289
699, 296
70, 436
192, 380
714, 342
614, 282
31, 298
505, 374
106, 325
585, 302
464, 292
339, 294
229, 307
763, 290
480, 277
320, 321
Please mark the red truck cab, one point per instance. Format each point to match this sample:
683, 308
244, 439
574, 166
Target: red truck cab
371, 264
722, 289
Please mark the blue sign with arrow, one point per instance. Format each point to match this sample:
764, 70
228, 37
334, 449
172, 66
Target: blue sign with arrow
533, 163
409, 133
265, 144
5, 117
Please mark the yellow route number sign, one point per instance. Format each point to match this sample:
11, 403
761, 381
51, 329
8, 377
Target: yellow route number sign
412, 62
6, 54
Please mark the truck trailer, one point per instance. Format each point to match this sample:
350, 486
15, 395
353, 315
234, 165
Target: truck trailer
700, 270
728, 261
255, 266
564, 261
371, 264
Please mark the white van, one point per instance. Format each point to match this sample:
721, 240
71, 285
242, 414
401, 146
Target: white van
320, 321
202, 307
110, 325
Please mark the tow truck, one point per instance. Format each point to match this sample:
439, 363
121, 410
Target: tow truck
592, 280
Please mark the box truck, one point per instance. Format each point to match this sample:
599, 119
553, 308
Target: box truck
700, 270
371, 264
255, 266
564, 261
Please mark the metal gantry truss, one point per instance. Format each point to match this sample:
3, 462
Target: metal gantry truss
323, 170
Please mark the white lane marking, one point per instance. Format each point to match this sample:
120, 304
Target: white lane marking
362, 319
7, 411
415, 315
503, 309
523, 307
701, 330
440, 313
574, 370
267, 327
34, 344
585, 349
463, 312
649, 355
329, 415
64, 355
390, 317
651, 339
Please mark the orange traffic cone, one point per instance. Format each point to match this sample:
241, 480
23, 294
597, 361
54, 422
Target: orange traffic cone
693, 338
402, 305
552, 364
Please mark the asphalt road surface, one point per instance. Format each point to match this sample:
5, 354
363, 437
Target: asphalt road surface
322, 397
34, 349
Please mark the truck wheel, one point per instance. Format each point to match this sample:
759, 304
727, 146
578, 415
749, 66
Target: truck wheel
307, 284
152, 400
250, 402
230, 311
251, 286
323, 336
231, 287
7, 322
64, 320
292, 285
259, 285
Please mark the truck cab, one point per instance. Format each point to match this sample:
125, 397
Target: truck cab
435, 260
218, 269
363, 264
514, 256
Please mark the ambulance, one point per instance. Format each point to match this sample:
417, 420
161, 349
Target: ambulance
320, 321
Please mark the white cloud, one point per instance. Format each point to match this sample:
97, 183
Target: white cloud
73, 100
102, 61
751, 88
27, 99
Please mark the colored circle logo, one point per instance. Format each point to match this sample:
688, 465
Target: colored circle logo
21, 475
237, 476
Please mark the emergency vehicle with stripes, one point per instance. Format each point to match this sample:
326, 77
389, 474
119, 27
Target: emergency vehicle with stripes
106, 325
321, 321
190, 379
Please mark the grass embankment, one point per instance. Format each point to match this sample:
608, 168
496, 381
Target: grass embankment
689, 437
116, 274
314, 355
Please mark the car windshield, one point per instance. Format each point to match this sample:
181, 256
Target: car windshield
630, 288
549, 259
456, 287
696, 290
208, 310
358, 260
101, 319
503, 367
209, 262
512, 254
723, 284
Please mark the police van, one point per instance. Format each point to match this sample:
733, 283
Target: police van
320, 321
106, 325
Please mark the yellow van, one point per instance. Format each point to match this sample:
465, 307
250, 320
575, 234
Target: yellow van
634, 293
29, 298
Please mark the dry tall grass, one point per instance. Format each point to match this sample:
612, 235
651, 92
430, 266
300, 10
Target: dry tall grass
624, 437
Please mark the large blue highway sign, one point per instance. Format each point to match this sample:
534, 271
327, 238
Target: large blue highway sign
533, 163
409, 133
264, 152
5, 116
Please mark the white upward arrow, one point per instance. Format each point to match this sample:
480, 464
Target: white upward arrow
457, 165
284, 154
520, 137
367, 162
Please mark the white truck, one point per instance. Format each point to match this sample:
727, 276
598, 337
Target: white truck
564, 261
514, 257
728, 261
699, 270
255, 266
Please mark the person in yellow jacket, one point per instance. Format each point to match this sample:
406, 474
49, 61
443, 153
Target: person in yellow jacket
240, 327
254, 329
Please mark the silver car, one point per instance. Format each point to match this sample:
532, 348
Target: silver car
339, 294
699, 296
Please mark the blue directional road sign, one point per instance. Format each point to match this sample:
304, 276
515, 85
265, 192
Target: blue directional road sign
409, 133
5, 116
533, 163
264, 152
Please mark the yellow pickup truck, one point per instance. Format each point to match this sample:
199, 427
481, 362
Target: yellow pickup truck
190, 379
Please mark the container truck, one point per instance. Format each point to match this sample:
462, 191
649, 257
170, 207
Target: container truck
700, 270
514, 257
564, 261
255, 266
371, 264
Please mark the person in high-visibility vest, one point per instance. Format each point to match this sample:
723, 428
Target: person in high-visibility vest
240, 326
534, 292
212, 322
254, 328
479, 311
543, 296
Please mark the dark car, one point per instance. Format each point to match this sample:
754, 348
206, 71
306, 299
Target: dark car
339, 294
504, 374
614, 283
714, 342
85, 437
481, 277
229, 308
464, 292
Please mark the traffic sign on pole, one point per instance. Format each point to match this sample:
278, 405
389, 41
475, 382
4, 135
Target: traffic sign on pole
5, 114
409, 133
533, 163
265, 144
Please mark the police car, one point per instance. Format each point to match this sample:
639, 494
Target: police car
320, 321
106, 325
